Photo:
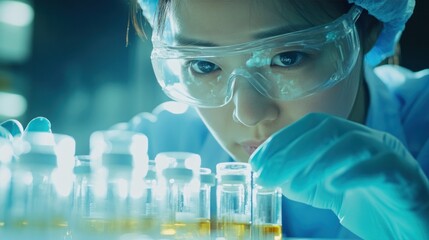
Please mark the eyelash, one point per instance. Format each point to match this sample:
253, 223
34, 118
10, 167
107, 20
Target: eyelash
297, 59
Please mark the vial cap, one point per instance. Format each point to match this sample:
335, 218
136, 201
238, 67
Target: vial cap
38, 160
118, 142
188, 160
208, 179
117, 159
233, 178
82, 165
180, 174
45, 148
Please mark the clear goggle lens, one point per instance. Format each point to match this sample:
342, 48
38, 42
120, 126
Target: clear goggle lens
284, 67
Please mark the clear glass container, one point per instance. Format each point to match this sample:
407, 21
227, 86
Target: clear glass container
179, 189
82, 194
6, 154
41, 186
208, 180
233, 195
151, 205
113, 204
267, 213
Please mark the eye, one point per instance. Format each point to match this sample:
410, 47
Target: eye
287, 59
203, 67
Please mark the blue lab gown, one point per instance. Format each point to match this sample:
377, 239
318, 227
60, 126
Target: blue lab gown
399, 105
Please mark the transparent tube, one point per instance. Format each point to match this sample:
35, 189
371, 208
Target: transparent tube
267, 213
115, 192
233, 200
179, 184
41, 186
6, 153
151, 218
204, 218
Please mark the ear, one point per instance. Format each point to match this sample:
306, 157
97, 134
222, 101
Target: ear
369, 30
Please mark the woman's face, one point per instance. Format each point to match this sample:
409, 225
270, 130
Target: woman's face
250, 118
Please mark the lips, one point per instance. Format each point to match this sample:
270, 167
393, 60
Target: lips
250, 146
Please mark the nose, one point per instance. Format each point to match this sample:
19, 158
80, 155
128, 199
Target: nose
250, 106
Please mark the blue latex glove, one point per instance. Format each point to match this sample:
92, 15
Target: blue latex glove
14, 127
366, 177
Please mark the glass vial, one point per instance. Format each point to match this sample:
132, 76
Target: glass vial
119, 163
267, 213
208, 180
233, 193
179, 189
6, 153
41, 186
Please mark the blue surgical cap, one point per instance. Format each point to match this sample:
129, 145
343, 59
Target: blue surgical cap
392, 13
148, 8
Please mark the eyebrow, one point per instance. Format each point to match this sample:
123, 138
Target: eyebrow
186, 41
279, 31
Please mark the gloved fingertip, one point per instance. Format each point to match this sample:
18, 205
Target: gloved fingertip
4, 133
13, 126
39, 124
254, 160
342, 183
123, 126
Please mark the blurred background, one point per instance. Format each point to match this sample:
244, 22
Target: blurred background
67, 60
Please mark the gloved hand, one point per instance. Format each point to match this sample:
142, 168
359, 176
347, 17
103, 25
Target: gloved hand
14, 127
366, 177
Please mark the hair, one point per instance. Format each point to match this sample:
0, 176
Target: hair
368, 26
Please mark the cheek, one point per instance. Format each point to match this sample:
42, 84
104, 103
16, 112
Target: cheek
338, 100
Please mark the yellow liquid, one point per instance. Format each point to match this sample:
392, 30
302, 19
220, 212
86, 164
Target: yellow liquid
233, 230
37, 228
185, 230
268, 231
34, 223
101, 225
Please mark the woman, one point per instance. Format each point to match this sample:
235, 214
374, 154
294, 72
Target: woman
289, 86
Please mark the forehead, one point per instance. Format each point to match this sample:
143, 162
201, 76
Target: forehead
234, 21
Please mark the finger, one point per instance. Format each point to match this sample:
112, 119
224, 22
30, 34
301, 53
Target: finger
39, 124
284, 137
317, 141
347, 151
392, 175
287, 162
5, 134
304, 150
123, 126
13, 126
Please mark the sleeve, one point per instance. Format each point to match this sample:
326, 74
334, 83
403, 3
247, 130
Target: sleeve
173, 126
411, 89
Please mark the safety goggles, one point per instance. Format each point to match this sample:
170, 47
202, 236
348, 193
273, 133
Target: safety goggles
283, 67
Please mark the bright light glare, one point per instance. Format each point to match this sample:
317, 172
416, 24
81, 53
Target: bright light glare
170, 106
5, 176
63, 182
12, 105
139, 144
16, 13
6, 152
122, 185
136, 189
